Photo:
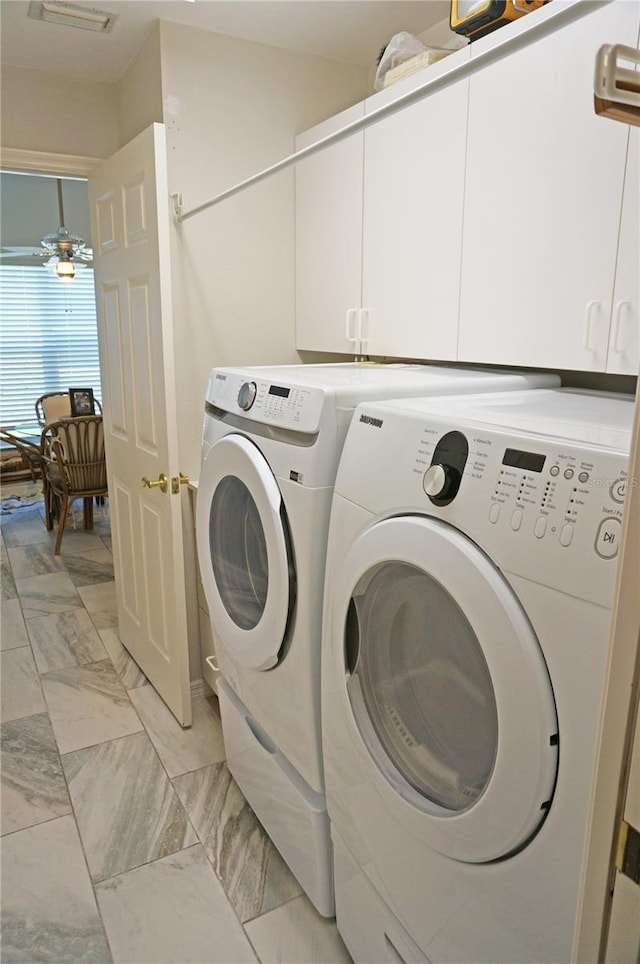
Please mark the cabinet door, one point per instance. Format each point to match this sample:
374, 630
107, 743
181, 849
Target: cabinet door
542, 201
624, 350
413, 195
329, 239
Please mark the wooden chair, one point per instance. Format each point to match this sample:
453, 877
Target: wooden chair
74, 468
54, 405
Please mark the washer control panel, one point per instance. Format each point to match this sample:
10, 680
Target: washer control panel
287, 406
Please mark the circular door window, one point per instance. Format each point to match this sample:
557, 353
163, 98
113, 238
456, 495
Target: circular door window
238, 552
423, 683
445, 682
245, 552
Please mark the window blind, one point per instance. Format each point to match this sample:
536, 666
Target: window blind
48, 337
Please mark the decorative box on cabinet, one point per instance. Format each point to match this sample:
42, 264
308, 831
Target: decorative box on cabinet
543, 195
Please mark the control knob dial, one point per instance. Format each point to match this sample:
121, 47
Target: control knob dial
247, 395
435, 480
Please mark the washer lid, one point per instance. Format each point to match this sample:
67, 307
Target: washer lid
447, 686
244, 552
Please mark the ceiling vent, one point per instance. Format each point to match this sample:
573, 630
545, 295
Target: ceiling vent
70, 15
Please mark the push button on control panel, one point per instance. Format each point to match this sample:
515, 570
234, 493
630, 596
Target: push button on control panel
494, 513
608, 537
617, 490
516, 519
566, 535
540, 527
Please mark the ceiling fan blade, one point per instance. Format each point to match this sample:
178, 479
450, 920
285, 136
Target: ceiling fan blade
20, 250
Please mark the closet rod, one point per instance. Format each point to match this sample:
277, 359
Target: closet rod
567, 12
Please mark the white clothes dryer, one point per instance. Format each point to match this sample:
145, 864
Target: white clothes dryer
271, 442
470, 574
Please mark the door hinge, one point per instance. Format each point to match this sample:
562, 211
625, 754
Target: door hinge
628, 852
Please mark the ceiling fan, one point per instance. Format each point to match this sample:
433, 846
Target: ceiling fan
62, 251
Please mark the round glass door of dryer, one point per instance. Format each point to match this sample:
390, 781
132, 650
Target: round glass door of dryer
447, 685
244, 550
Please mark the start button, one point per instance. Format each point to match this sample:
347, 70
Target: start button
608, 538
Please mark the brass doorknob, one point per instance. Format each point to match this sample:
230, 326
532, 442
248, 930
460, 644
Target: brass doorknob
159, 483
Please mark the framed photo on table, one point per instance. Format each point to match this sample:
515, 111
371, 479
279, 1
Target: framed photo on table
81, 402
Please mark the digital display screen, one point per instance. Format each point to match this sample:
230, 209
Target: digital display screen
281, 392
530, 461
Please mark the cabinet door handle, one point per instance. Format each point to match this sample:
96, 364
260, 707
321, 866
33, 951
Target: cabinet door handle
592, 308
363, 328
618, 343
351, 333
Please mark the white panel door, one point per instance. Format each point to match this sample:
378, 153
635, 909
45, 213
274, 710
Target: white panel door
542, 202
130, 226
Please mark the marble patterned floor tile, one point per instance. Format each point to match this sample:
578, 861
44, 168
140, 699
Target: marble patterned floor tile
100, 603
296, 933
79, 540
172, 911
25, 528
13, 632
19, 685
7, 584
87, 568
35, 560
127, 669
53, 593
254, 875
108, 542
181, 749
33, 785
88, 704
64, 639
49, 911
126, 808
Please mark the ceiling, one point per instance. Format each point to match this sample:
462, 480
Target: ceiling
350, 31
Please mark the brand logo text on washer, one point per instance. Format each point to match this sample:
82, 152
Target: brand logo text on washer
370, 420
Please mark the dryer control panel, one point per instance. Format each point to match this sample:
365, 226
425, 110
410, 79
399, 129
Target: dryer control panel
545, 492
261, 400
541, 507
549, 512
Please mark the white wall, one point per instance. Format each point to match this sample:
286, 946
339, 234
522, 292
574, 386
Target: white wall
139, 91
48, 112
233, 107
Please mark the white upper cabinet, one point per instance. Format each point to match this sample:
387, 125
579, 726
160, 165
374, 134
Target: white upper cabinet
624, 347
494, 221
328, 189
414, 165
543, 197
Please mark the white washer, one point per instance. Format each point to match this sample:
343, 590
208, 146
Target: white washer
272, 438
470, 573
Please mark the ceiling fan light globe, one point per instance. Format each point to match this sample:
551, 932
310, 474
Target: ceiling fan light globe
65, 270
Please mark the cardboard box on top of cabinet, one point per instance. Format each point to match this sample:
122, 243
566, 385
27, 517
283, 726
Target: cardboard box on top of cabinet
476, 18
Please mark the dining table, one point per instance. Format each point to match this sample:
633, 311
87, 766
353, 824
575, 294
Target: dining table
26, 438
